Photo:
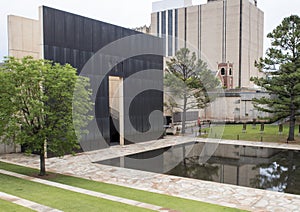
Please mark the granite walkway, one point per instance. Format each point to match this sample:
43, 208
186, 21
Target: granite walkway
81, 191
82, 165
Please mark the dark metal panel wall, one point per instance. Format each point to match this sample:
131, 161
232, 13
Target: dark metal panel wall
73, 39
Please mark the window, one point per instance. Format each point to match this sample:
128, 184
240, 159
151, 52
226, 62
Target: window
223, 71
170, 32
158, 24
163, 23
230, 71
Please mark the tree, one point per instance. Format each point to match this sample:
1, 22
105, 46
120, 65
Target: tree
36, 105
281, 172
191, 168
189, 80
282, 63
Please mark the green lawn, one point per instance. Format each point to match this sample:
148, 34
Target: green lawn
59, 198
143, 196
11, 207
270, 134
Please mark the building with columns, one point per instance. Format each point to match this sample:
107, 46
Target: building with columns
228, 36
221, 32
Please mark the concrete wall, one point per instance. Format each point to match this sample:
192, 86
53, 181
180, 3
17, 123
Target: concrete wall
234, 107
9, 148
24, 37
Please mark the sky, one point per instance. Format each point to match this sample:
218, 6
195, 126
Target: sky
129, 13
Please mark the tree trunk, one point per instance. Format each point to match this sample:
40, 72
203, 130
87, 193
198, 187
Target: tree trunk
184, 114
292, 126
42, 164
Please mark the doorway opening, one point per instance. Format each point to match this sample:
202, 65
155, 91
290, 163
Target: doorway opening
116, 110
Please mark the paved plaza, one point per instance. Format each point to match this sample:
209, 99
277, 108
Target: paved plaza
82, 165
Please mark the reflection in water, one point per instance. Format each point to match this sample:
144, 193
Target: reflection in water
256, 167
192, 169
281, 174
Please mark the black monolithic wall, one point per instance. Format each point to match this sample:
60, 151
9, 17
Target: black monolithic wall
99, 50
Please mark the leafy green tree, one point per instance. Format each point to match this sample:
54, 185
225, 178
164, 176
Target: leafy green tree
282, 63
189, 80
36, 106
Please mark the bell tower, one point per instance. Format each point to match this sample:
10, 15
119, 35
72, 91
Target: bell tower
225, 73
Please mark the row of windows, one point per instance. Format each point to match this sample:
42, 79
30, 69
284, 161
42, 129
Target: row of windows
167, 27
223, 71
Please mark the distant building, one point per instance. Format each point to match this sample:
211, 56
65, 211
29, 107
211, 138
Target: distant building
220, 32
144, 29
228, 35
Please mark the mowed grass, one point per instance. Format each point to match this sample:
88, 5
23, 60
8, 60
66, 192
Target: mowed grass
270, 133
165, 201
59, 198
11, 207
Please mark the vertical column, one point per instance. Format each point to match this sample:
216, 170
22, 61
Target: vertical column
163, 28
240, 44
176, 31
174, 36
121, 111
41, 30
199, 30
170, 32
185, 26
158, 24
166, 25
224, 31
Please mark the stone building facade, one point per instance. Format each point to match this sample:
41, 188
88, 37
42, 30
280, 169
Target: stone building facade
220, 31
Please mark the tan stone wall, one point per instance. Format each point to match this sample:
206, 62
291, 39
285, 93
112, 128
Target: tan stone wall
232, 109
24, 37
211, 33
249, 43
192, 28
153, 28
181, 21
232, 38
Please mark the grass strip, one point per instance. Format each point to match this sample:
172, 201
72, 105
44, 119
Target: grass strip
166, 201
59, 198
12, 207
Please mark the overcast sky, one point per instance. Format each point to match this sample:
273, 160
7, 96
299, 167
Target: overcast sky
126, 13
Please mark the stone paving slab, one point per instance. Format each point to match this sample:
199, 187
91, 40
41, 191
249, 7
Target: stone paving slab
211, 192
85, 191
26, 203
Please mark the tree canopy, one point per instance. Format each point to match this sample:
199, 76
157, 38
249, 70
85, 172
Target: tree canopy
188, 80
282, 67
36, 104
